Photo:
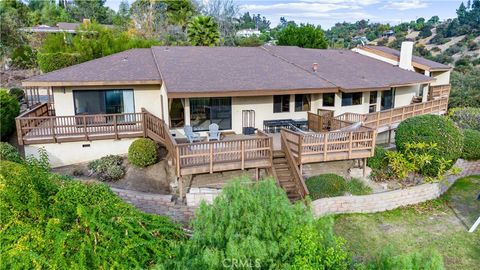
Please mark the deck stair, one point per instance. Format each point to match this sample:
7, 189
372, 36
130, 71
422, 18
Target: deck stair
285, 176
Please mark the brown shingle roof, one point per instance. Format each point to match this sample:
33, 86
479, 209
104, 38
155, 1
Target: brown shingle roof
347, 69
227, 69
135, 66
214, 69
416, 59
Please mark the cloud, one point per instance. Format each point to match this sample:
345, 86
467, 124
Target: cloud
406, 5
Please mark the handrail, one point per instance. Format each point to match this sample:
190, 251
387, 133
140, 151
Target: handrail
298, 178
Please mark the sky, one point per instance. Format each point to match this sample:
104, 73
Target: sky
327, 12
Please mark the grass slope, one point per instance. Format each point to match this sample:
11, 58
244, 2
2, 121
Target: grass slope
431, 225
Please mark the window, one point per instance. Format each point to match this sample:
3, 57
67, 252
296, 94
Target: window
205, 111
177, 112
329, 100
373, 102
387, 100
349, 99
302, 103
281, 103
103, 101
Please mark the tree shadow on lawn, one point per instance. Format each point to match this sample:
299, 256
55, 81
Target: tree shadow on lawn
432, 225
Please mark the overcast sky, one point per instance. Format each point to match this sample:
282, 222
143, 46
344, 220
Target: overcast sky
328, 12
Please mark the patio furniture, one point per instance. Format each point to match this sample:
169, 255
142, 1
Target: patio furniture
213, 133
191, 136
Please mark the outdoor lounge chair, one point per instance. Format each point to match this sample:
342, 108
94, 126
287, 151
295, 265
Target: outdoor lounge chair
213, 133
191, 136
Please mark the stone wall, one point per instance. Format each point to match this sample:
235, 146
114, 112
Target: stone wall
157, 204
391, 199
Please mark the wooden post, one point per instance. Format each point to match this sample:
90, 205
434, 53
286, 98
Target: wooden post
300, 146
389, 136
243, 154
85, 127
211, 157
177, 160
325, 141
364, 167
144, 123
350, 138
378, 120
115, 127
52, 123
374, 138
19, 131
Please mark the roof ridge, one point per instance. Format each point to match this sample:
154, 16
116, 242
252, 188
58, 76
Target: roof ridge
156, 64
296, 65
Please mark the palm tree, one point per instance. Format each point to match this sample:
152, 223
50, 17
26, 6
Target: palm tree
203, 31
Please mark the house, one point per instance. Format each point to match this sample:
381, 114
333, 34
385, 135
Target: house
248, 33
306, 105
61, 27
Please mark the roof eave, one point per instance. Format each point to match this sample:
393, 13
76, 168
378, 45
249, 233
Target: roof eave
87, 83
253, 92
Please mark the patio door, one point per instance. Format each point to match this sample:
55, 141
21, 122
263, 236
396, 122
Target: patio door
387, 100
248, 122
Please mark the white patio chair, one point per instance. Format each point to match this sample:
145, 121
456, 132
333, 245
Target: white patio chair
213, 133
191, 136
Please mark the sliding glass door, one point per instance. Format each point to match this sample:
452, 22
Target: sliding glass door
205, 111
103, 101
388, 99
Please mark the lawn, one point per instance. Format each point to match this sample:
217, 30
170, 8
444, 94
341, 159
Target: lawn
435, 225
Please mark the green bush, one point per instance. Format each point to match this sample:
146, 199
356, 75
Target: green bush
24, 57
326, 185
107, 168
10, 153
428, 129
53, 61
142, 152
17, 93
9, 109
471, 145
50, 222
378, 160
357, 187
256, 227
466, 118
388, 259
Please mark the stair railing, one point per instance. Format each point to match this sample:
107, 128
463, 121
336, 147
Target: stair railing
297, 176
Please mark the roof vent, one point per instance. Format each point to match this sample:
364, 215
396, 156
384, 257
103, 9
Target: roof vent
315, 67
125, 59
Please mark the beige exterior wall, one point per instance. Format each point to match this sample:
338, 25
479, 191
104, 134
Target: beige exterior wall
404, 95
443, 77
146, 96
62, 154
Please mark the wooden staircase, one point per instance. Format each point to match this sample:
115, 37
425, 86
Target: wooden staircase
285, 175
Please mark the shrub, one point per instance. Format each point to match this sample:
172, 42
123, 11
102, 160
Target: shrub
53, 61
378, 160
428, 129
357, 187
9, 109
107, 168
326, 185
49, 221
466, 118
17, 93
388, 259
24, 57
142, 152
257, 226
471, 145
10, 153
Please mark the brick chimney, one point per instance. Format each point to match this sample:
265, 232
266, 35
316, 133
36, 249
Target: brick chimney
406, 53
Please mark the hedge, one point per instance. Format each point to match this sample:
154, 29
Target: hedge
326, 185
142, 152
471, 145
9, 109
431, 129
53, 61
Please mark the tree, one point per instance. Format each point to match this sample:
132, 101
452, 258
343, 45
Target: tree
148, 18
179, 12
225, 13
434, 20
9, 109
122, 17
462, 13
203, 31
305, 36
92, 9
13, 16
256, 227
465, 88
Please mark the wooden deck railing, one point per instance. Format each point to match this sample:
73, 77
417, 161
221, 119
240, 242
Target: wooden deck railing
329, 146
386, 118
438, 91
297, 175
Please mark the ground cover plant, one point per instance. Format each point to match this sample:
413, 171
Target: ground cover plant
428, 227
108, 168
9, 153
332, 185
471, 145
51, 222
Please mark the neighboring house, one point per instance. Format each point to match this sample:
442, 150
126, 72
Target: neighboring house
389, 33
61, 27
98, 107
248, 33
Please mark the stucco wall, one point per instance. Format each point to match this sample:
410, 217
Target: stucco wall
146, 96
62, 154
404, 95
443, 77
